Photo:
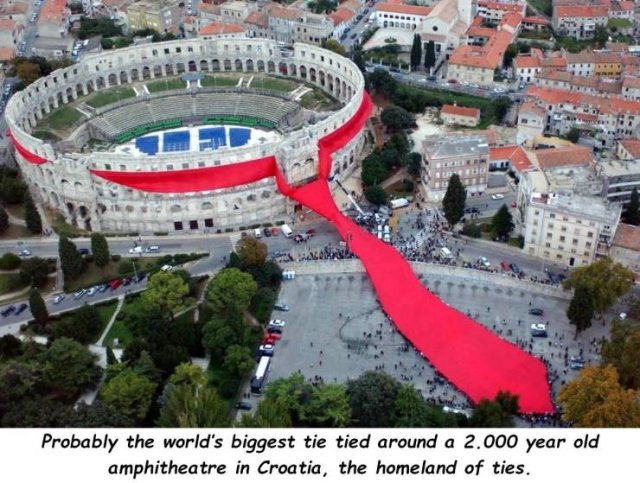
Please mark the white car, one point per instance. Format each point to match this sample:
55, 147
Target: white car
484, 261
166, 268
137, 249
538, 327
25, 253
58, 298
277, 323
497, 197
267, 349
79, 294
92, 291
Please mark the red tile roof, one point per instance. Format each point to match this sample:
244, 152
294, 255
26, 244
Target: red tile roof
557, 96
406, 9
518, 157
508, 7
536, 20
341, 15
6, 53
216, 28
563, 156
460, 111
627, 236
489, 56
571, 11
632, 146
53, 10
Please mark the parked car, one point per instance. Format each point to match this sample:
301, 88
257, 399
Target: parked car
538, 312
83, 251
8, 311
281, 307
243, 405
576, 365
152, 249
273, 337
166, 268
266, 350
79, 294
114, 284
515, 268
103, 288
25, 253
538, 330
267, 232
277, 323
275, 231
57, 299
21, 308
484, 262
92, 291
553, 278
126, 281
274, 329
497, 196
311, 232
135, 250
505, 266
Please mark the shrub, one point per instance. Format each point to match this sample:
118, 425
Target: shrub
472, 230
116, 258
9, 261
407, 185
125, 266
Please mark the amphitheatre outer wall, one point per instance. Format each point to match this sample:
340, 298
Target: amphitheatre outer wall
62, 175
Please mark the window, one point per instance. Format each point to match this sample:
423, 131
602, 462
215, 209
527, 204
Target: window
562, 238
177, 225
590, 234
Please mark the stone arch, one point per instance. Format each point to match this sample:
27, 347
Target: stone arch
100, 208
303, 72
312, 75
83, 211
330, 82
175, 209
215, 65
227, 64
206, 205
238, 65
70, 208
204, 65
146, 72
78, 185
251, 197
64, 184
53, 196
157, 70
100, 84
168, 69
180, 67
135, 74
124, 78
192, 66
79, 89
293, 70
265, 194
112, 78
129, 209
249, 65
271, 66
321, 78
343, 89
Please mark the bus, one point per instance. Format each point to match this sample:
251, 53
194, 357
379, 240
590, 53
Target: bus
257, 381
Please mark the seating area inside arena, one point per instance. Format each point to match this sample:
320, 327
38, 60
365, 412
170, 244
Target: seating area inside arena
212, 138
176, 141
238, 136
148, 144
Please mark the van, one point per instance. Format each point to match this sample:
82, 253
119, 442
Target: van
257, 233
286, 231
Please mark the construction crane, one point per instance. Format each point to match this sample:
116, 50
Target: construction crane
350, 197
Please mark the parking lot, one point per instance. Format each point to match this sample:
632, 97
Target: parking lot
336, 331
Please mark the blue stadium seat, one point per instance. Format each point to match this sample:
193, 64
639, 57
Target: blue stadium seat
148, 144
212, 138
176, 141
239, 136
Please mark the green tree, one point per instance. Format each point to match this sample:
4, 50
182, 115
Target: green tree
573, 135
10, 261
580, 310
38, 308
632, 213
167, 291
328, 407
602, 35
217, 336
376, 195
193, 406
410, 410
271, 413
238, 360
472, 230
430, 56
335, 46
28, 73
34, 271
4, 220
31, 216
372, 398
416, 52
99, 415
231, 287
413, 163
71, 261
396, 118
188, 373
497, 413
607, 279
69, 368
100, 250
509, 54
251, 251
622, 350
382, 82
454, 200
323, 6
130, 393
373, 170
595, 399
12, 190
292, 392
502, 223
500, 107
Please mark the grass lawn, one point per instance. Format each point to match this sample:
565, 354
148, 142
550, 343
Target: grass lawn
45, 135
166, 85
61, 118
94, 275
5, 285
61, 227
103, 98
317, 100
543, 6
535, 34
118, 331
281, 85
219, 81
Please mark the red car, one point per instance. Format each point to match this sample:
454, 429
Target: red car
115, 283
505, 266
273, 337
311, 232
268, 340
275, 231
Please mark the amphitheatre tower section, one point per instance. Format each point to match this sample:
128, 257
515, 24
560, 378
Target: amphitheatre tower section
180, 109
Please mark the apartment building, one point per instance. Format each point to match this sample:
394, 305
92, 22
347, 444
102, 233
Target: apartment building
234, 12
160, 15
619, 177
399, 15
527, 67
628, 149
53, 21
494, 11
579, 21
11, 33
222, 30
466, 155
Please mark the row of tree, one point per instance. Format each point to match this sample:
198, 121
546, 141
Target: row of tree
73, 263
14, 191
416, 58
